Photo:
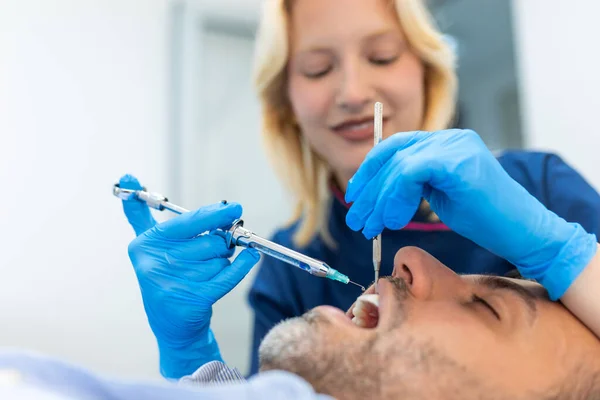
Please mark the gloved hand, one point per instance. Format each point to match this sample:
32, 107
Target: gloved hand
472, 194
181, 275
137, 212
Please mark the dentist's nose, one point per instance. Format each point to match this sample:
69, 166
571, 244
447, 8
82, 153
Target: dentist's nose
354, 92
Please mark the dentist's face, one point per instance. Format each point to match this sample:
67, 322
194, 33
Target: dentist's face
344, 56
437, 335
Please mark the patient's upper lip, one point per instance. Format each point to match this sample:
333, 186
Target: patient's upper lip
336, 313
383, 286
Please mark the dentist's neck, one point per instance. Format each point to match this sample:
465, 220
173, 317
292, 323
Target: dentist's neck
341, 180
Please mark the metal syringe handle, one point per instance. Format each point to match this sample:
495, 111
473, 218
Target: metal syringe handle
153, 200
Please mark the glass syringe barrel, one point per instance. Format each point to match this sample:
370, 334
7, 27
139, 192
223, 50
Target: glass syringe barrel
240, 236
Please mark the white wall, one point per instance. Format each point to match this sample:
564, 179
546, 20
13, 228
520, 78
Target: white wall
221, 155
83, 99
93, 89
559, 62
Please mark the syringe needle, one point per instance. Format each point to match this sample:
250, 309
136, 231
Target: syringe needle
360, 286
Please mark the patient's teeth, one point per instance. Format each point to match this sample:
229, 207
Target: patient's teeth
369, 298
366, 311
360, 312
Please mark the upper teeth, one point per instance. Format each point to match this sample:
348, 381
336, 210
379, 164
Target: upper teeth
366, 311
359, 126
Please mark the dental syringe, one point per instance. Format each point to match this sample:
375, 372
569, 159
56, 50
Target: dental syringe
237, 235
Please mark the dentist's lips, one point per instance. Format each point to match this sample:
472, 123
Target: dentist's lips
356, 130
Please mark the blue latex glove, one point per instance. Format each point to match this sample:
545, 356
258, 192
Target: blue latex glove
472, 194
138, 213
181, 275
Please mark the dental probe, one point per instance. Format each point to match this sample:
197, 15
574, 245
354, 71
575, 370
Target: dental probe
378, 136
237, 235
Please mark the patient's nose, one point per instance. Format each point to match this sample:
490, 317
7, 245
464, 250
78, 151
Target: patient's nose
426, 277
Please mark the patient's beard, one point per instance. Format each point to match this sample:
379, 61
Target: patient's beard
298, 345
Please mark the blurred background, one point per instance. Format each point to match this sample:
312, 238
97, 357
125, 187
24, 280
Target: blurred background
93, 89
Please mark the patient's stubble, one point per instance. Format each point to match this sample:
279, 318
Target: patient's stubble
300, 345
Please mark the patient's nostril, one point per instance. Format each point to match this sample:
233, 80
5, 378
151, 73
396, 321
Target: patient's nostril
408, 274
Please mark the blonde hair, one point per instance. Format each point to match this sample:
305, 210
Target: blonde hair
300, 168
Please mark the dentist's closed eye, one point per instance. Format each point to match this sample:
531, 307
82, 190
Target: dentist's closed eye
314, 74
383, 61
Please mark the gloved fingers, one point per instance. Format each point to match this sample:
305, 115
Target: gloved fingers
193, 223
374, 193
159, 260
362, 208
201, 248
374, 224
185, 273
377, 158
394, 211
224, 282
137, 212
399, 210
400, 196
413, 183
364, 205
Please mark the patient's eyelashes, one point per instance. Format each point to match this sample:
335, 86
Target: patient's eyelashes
477, 299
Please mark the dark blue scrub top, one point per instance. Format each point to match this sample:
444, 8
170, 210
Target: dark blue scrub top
282, 291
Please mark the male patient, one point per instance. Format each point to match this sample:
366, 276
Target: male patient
439, 335
435, 335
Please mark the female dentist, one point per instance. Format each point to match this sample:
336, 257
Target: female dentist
317, 80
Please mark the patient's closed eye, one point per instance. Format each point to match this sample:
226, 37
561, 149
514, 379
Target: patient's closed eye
477, 299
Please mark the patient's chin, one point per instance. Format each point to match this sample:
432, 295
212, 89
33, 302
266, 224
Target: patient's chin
299, 345
287, 345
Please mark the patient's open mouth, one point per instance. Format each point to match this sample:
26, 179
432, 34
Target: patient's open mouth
365, 313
